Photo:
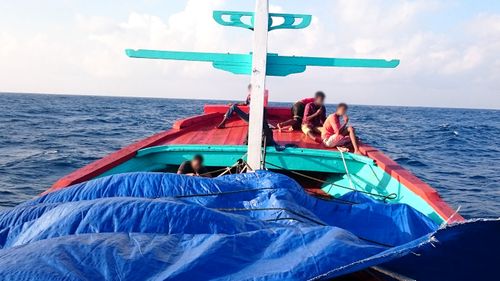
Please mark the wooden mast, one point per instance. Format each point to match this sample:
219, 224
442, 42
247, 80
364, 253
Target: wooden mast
258, 82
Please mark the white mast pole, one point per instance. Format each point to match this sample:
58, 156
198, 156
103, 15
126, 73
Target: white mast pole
258, 81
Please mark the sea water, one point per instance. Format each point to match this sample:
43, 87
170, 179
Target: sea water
44, 137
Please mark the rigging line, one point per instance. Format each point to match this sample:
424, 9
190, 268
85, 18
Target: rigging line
343, 201
284, 219
332, 198
390, 196
346, 170
216, 171
224, 192
302, 216
272, 209
226, 168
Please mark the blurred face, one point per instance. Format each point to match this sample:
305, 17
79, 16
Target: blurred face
319, 100
341, 110
196, 163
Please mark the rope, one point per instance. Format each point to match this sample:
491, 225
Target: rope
228, 169
223, 193
390, 196
346, 170
300, 215
272, 209
303, 216
216, 171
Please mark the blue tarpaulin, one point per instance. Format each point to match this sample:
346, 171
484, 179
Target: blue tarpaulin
158, 226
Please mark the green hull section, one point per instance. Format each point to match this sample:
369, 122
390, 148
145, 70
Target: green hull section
364, 173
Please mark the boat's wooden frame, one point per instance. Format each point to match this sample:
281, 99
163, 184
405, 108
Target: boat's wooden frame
197, 134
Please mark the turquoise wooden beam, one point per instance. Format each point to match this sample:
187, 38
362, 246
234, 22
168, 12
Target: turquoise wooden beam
236, 19
276, 65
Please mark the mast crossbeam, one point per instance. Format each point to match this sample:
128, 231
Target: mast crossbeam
246, 20
276, 65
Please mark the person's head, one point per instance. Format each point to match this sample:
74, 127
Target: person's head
342, 108
249, 88
319, 98
197, 162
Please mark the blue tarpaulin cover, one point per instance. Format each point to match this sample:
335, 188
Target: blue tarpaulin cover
158, 226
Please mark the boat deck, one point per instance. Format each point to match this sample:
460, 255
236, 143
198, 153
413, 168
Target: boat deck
202, 130
198, 130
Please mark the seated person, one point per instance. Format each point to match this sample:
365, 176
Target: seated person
193, 167
297, 114
235, 109
334, 134
314, 117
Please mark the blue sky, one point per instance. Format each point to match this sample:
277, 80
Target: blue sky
449, 50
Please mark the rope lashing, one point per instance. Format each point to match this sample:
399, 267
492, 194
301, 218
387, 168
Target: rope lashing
390, 196
226, 170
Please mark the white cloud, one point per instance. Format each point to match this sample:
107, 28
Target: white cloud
87, 56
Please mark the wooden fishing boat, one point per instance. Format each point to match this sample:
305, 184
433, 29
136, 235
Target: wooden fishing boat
322, 171
327, 173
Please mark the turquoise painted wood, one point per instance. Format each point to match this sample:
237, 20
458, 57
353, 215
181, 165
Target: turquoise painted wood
290, 21
372, 179
237, 19
365, 175
299, 159
276, 65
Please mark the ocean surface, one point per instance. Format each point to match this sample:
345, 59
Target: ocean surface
44, 137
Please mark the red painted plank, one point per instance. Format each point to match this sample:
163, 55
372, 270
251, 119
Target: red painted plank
195, 120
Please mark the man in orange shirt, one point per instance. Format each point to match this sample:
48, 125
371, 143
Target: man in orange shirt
335, 134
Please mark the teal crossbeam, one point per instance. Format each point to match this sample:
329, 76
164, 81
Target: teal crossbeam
245, 20
276, 65
234, 63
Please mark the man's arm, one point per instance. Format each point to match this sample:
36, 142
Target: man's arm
247, 101
323, 115
346, 122
182, 168
308, 116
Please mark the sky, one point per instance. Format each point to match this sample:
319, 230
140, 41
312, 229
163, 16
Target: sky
449, 49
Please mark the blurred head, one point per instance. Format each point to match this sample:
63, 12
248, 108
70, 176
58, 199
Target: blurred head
197, 162
249, 88
319, 98
341, 108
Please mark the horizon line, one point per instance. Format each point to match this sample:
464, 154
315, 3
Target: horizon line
204, 99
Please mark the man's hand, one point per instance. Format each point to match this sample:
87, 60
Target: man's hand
346, 119
318, 112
